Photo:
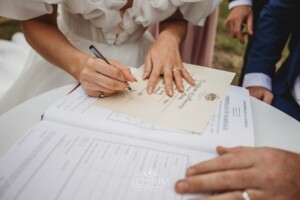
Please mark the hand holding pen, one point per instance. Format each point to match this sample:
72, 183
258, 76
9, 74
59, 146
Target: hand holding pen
101, 78
97, 53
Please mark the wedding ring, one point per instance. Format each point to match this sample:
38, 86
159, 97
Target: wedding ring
101, 94
245, 195
176, 69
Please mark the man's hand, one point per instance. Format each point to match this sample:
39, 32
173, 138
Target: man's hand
261, 93
238, 16
265, 173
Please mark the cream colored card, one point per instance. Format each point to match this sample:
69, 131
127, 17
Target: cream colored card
188, 111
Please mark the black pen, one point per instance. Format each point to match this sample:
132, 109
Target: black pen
97, 53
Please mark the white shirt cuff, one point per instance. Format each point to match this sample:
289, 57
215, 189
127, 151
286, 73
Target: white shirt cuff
240, 3
296, 90
257, 79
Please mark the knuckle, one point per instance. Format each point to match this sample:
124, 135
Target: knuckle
85, 74
227, 161
224, 181
90, 62
118, 73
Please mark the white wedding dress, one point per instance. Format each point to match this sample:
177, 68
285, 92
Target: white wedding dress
86, 22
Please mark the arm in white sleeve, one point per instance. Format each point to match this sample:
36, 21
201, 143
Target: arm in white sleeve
257, 79
235, 3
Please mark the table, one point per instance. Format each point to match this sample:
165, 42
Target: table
272, 127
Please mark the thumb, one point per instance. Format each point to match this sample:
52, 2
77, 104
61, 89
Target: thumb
268, 97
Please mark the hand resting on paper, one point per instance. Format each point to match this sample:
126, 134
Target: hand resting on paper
163, 57
264, 173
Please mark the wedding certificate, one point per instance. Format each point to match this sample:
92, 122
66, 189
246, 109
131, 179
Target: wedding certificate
189, 111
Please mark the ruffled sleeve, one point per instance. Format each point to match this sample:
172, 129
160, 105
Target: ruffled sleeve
153, 11
196, 11
26, 9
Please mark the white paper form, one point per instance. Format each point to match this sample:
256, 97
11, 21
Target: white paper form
233, 114
160, 109
55, 162
77, 109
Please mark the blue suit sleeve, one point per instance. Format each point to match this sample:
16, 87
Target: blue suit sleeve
271, 34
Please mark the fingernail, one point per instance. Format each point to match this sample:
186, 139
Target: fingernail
150, 90
191, 172
182, 187
181, 89
170, 92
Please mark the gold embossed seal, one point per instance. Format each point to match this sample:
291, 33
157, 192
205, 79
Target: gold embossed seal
211, 97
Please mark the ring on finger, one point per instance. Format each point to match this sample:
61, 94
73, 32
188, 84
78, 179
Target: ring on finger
101, 95
175, 69
245, 195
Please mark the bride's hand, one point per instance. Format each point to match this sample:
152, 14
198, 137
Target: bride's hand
163, 57
100, 79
